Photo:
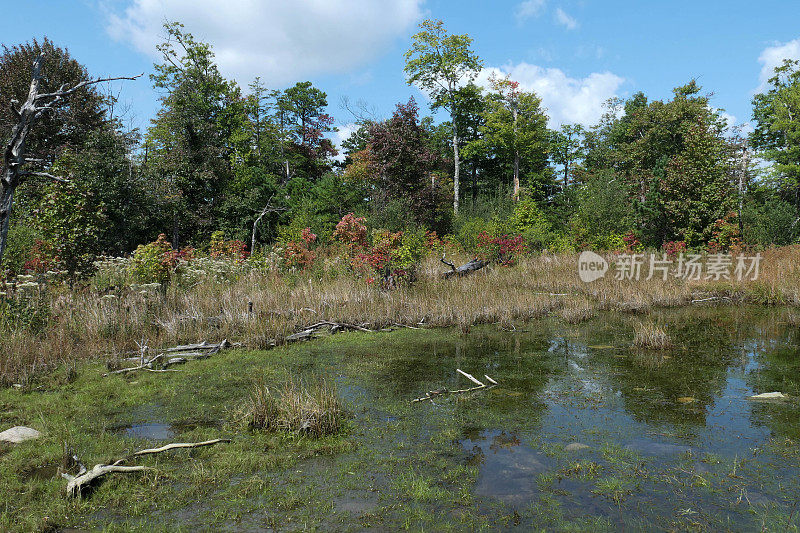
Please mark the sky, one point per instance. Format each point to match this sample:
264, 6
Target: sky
575, 54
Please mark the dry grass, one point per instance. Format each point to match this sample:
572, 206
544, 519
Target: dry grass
650, 335
311, 409
82, 324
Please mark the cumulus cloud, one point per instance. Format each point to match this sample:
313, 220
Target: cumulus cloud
565, 20
568, 100
772, 57
278, 40
529, 9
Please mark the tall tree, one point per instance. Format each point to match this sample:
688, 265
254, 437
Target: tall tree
439, 63
193, 131
566, 148
776, 113
516, 131
300, 112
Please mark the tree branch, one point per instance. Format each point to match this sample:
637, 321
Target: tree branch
43, 175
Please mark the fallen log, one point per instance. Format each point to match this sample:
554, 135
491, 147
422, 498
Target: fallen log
76, 484
181, 354
463, 270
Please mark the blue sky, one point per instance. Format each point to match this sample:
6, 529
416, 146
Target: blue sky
573, 53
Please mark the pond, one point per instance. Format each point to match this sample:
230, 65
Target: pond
582, 431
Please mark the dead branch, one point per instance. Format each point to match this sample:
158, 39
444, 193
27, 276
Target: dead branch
463, 270
84, 478
176, 445
47, 175
430, 395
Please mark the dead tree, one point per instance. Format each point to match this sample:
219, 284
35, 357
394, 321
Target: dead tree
14, 158
463, 270
269, 208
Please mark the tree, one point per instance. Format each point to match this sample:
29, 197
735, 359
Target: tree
401, 162
300, 112
14, 156
439, 63
675, 162
566, 148
516, 131
777, 127
193, 135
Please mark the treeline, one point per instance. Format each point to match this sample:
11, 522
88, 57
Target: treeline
258, 164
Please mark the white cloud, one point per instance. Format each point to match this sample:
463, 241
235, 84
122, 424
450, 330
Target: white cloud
568, 100
743, 127
529, 9
344, 132
565, 20
278, 40
772, 57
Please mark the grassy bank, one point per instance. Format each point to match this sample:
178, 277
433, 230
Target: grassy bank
56, 323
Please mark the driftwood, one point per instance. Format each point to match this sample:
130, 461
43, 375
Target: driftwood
430, 395
182, 354
310, 331
76, 484
463, 270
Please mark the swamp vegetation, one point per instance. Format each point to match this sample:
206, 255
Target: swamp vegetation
584, 431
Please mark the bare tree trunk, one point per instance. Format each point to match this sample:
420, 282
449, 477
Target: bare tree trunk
6, 200
516, 157
474, 182
457, 165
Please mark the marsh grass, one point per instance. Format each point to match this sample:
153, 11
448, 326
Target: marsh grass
650, 335
309, 408
82, 322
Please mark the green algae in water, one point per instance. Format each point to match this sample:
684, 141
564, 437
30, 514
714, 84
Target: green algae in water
583, 432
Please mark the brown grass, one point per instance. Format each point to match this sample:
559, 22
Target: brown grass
311, 409
84, 325
650, 335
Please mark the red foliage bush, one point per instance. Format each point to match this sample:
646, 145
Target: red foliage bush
299, 253
352, 231
503, 249
674, 248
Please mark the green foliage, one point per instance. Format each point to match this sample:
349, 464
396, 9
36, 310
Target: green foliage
72, 219
769, 221
529, 221
21, 242
776, 113
151, 263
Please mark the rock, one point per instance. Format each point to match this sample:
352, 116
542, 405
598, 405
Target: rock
575, 447
768, 396
19, 434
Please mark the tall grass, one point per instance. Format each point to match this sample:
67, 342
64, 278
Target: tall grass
83, 322
311, 408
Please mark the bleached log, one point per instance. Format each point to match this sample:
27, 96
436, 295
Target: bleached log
76, 484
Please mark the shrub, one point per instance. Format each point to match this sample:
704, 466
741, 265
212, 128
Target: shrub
674, 248
725, 234
503, 249
157, 262
352, 231
298, 253
220, 248
529, 221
